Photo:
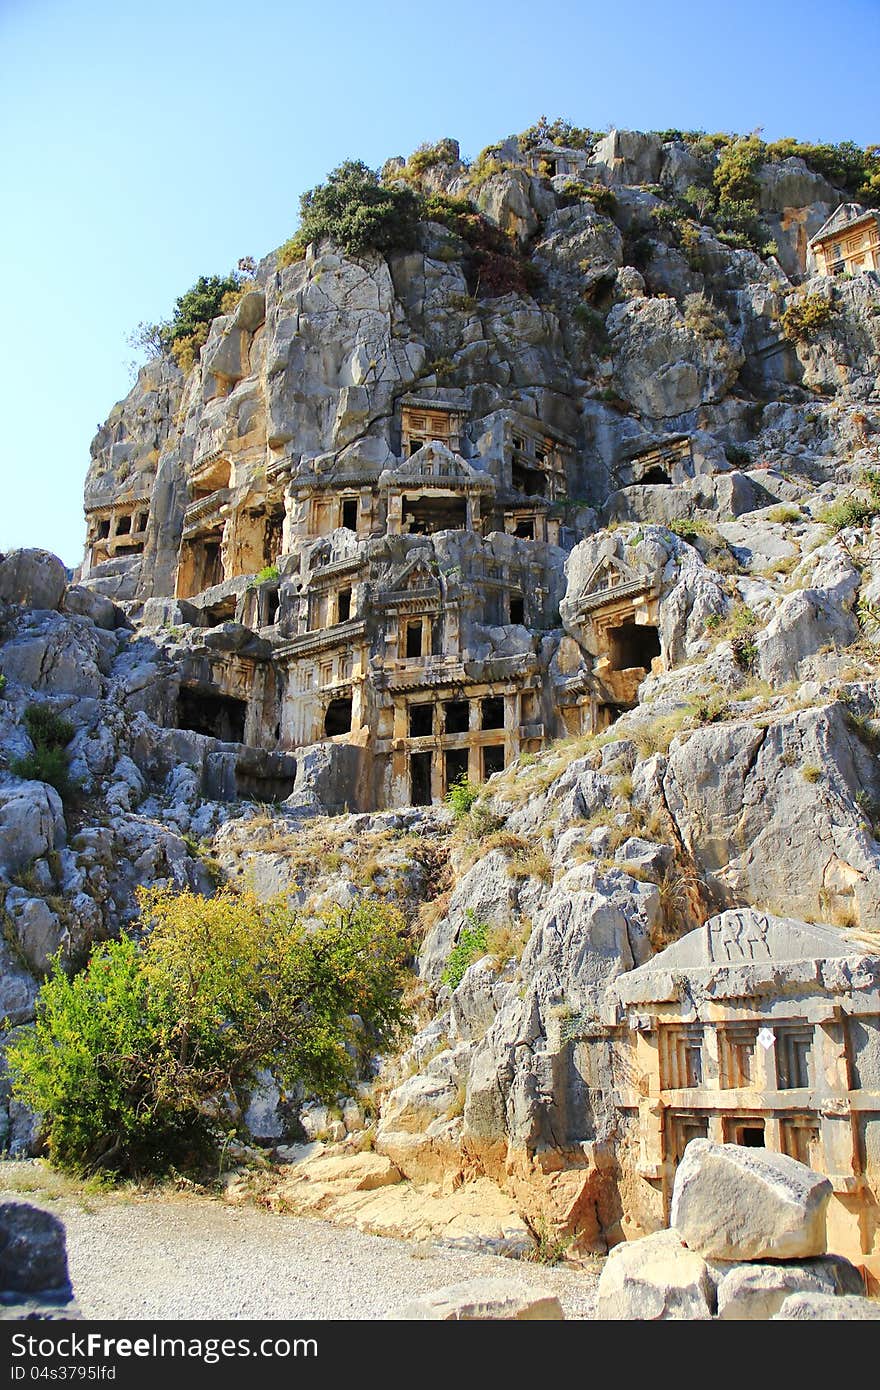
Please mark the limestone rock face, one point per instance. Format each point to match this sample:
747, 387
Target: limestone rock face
723, 796
663, 367
655, 1279
731, 1203
628, 156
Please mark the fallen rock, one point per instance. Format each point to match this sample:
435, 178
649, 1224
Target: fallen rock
33, 1251
653, 1279
757, 1292
824, 1307
733, 1203
484, 1300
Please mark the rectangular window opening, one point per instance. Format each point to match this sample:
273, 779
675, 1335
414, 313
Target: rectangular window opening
492, 712
420, 779
421, 720
456, 716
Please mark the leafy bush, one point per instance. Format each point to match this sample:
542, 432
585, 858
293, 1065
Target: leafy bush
847, 511
602, 198
49, 761
133, 1062
806, 316
427, 156
735, 176
195, 310
267, 573
357, 211
47, 728
471, 946
292, 251
557, 132
743, 624
461, 796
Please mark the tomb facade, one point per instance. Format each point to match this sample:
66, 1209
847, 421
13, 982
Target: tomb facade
848, 243
750, 1030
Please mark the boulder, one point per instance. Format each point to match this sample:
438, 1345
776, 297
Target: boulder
84, 603
33, 1251
482, 1300
32, 579
756, 1292
31, 824
655, 1279
734, 1203
824, 1307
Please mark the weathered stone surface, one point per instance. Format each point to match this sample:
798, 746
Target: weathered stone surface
32, 579
33, 1250
653, 1279
758, 1291
483, 1300
663, 367
733, 1203
823, 1307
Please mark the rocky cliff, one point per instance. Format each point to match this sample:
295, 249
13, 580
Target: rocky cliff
745, 772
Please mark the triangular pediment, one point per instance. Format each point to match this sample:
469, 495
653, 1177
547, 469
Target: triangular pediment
841, 218
610, 573
416, 575
434, 466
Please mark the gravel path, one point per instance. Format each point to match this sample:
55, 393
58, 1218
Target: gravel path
188, 1256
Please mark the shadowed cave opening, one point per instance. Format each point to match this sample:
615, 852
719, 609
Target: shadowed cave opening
209, 712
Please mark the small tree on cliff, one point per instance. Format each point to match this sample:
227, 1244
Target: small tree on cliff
356, 210
133, 1062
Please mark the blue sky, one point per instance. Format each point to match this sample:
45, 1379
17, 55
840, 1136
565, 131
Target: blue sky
144, 145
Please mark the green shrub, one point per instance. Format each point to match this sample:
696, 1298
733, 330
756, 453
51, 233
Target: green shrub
471, 946
427, 156
49, 761
461, 796
557, 132
264, 576
735, 176
196, 309
602, 198
743, 625
132, 1062
737, 455
806, 316
358, 212
45, 765
47, 728
292, 251
847, 511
